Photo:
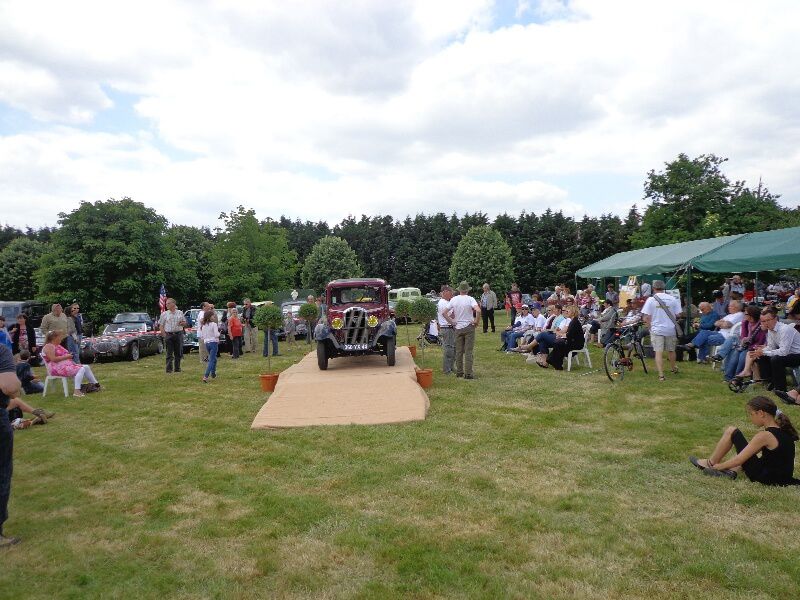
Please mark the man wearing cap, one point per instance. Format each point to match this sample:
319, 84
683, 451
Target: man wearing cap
661, 311
446, 322
466, 313
524, 323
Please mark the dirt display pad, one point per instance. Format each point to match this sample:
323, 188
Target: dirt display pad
360, 390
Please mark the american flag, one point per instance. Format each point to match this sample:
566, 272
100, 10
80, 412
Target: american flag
162, 298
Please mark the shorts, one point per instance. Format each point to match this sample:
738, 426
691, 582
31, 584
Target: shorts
663, 343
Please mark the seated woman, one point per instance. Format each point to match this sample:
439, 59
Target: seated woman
751, 336
548, 339
59, 363
775, 442
573, 340
604, 324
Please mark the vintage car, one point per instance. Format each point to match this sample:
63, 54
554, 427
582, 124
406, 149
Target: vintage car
122, 340
357, 321
190, 341
300, 326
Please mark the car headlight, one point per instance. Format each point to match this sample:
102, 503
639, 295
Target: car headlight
337, 323
372, 321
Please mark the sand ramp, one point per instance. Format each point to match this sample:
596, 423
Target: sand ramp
354, 390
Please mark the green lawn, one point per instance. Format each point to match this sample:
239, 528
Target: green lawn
525, 483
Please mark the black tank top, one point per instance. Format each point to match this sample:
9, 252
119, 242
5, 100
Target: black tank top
778, 464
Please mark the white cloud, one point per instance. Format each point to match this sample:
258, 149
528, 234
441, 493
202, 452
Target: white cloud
320, 109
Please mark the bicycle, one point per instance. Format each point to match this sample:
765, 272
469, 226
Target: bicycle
620, 353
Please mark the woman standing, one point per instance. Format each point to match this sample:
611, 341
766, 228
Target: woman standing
23, 336
209, 334
775, 442
235, 329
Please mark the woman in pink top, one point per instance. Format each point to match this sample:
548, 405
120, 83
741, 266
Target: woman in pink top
58, 361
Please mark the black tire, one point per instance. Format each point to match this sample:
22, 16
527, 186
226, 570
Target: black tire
160, 347
322, 356
391, 344
613, 361
640, 352
133, 351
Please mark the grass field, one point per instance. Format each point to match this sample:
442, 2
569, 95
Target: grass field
525, 483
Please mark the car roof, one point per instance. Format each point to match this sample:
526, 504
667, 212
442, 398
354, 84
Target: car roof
356, 281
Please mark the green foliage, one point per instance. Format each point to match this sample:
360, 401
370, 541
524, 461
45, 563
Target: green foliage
193, 245
330, 258
268, 316
250, 258
423, 310
110, 256
18, 263
309, 311
482, 256
402, 311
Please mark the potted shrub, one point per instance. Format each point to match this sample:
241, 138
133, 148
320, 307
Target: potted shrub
309, 312
424, 311
268, 317
402, 310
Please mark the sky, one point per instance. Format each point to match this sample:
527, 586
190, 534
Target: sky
318, 110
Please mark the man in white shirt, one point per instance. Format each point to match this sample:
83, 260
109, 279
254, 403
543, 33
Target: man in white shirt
782, 349
445, 321
706, 338
466, 314
525, 322
661, 311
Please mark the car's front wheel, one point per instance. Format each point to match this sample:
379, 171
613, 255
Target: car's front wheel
133, 352
322, 356
391, 344
160, 346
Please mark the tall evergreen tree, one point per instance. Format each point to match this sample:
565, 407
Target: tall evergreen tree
482, 256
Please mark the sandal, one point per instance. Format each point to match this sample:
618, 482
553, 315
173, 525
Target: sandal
696, 462
785, 397
674, 370
662, 378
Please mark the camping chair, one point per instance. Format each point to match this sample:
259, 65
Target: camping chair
577, 353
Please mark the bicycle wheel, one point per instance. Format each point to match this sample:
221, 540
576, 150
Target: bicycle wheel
614, 361
640, 353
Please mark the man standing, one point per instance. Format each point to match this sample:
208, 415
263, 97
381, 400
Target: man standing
171, 324
488, 304
9, 388
782, 349
661, 312
57, 319
77, 319
466, 314
446, 322
250, 331
516, 300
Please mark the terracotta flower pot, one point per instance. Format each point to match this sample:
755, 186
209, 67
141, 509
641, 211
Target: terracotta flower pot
413, 350
425, 378
268, 381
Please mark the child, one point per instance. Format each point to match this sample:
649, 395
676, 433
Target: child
30, 383
775, 442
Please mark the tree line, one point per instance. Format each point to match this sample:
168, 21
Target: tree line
113, 255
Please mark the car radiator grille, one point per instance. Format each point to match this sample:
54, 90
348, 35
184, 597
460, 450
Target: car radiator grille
104, 346
355, 330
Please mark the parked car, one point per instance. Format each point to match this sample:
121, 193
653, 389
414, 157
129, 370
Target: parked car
33, 309
357, 321
300, 327
122, 340
190, 341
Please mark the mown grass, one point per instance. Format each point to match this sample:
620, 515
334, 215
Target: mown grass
525, 483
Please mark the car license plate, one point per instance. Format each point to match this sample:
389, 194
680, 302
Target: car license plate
355, 346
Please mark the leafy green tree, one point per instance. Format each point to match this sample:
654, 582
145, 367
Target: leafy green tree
302, 236
18, 264
193, 245
482, 256
250, 258
330, 258
110, 256
402, 312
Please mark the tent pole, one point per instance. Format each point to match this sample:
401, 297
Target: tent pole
688, 320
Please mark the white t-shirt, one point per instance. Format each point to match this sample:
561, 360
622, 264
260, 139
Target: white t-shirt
462, 306
733, 319
527, 321
209, 332
660, 323
539, 322
442, 307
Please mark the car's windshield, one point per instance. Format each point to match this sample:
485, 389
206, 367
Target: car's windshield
123, 328
131, 318
355, 294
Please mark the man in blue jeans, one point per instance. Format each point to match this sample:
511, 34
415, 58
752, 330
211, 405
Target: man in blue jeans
9, 387
706, 338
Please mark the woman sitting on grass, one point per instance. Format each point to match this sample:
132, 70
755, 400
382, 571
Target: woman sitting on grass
775, 443
59, 363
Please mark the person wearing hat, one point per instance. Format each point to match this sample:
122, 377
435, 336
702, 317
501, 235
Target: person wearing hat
661, 311
466, 314
524, 323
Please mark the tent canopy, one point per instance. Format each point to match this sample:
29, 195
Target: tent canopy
761, 251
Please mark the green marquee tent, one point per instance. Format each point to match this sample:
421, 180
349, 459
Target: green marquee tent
761, 251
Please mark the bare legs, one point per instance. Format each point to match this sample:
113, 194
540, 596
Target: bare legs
722, 448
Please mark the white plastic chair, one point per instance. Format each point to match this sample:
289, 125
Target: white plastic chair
577, 353
54, 378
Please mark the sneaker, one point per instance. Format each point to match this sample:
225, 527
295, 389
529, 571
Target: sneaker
78, 394
717, 358
40, 412
8, 541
